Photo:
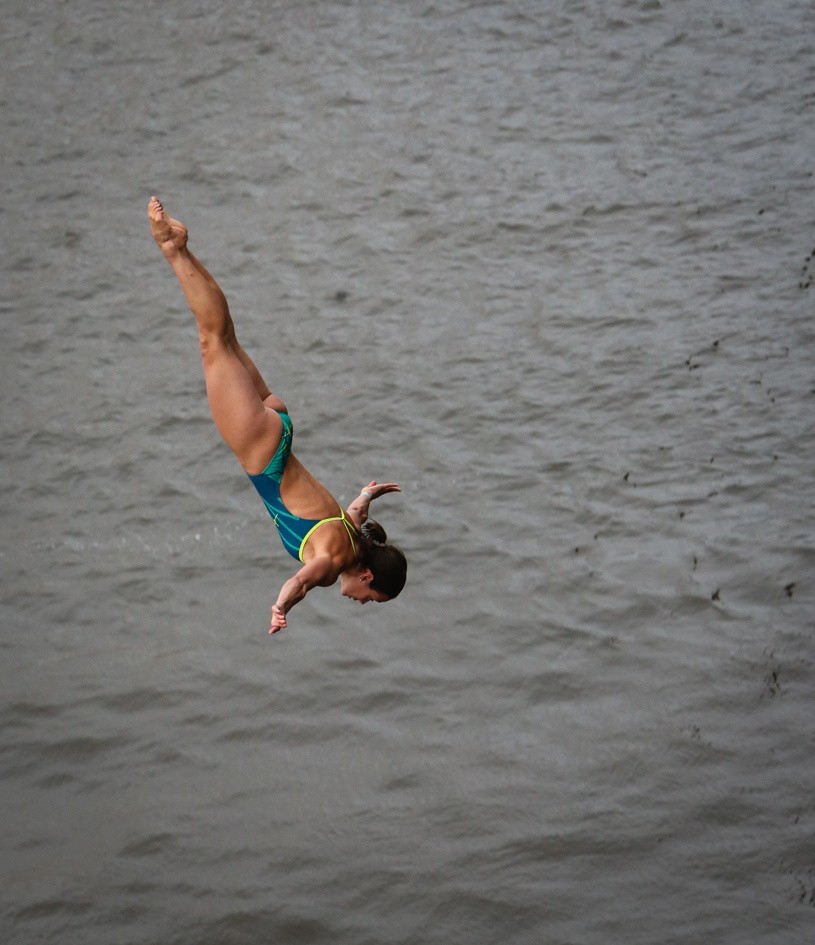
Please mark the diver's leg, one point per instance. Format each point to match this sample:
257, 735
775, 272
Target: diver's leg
172, 238
235, 389
268, 398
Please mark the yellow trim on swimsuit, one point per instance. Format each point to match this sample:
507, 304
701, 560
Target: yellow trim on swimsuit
335, 518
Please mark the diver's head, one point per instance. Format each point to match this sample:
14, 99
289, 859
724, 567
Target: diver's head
380, 571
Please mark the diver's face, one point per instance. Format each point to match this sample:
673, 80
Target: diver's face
356, 585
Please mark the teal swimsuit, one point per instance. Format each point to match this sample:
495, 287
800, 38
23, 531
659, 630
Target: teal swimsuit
294, 531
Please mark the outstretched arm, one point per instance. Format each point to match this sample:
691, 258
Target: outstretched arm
319, 572
358, 509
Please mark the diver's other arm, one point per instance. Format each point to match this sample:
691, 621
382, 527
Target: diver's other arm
358, 509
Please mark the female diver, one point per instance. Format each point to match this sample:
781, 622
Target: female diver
331, 544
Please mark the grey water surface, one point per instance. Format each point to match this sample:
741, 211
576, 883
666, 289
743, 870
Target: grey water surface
546, 264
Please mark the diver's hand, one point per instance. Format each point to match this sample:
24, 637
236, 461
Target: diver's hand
358, 509
376, 489
278, 620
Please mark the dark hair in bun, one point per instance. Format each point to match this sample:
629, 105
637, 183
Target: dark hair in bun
374, 532
386, 562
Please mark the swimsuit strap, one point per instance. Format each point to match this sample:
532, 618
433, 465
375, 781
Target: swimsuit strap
335, 518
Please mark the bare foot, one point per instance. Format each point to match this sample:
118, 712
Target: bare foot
171, 235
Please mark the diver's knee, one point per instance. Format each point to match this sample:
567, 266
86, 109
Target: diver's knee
211, 344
